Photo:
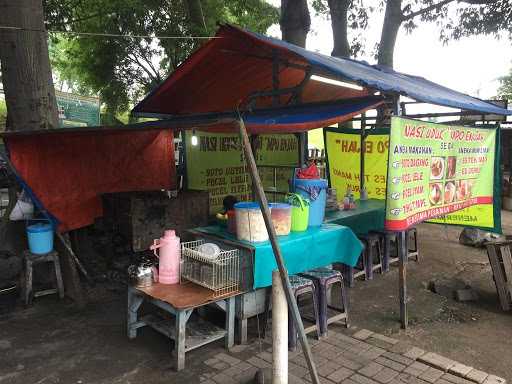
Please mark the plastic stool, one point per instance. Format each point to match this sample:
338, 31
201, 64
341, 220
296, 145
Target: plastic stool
33, 259
389, 240
300, 286
373, 253
323, 278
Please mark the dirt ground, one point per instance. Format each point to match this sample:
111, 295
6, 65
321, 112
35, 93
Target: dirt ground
54, 342
478, 333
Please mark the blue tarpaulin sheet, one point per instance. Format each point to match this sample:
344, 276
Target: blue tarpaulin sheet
226, 71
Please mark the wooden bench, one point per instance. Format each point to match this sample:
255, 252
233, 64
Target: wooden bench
179, 301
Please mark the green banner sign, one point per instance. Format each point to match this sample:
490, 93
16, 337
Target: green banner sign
435, 170
217, 164
77, 111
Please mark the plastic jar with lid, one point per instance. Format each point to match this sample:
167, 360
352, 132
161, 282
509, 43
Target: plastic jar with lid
250, 225
281, 214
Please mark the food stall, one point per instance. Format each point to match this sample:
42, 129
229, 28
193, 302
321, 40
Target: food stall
248, 85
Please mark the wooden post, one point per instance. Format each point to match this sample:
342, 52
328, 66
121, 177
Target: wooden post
279, 332
262, 199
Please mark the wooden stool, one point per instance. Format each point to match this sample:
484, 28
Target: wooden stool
33, 259
372, 253
324, 278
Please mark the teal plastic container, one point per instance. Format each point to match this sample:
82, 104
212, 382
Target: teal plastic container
40, 238
317, 206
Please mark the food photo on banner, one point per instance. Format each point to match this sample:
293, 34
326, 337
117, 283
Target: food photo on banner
437, 170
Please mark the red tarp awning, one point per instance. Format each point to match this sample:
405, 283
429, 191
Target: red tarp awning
67, 172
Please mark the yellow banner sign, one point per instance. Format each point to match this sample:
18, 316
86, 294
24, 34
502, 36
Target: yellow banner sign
217, 164
344, 157
343, 152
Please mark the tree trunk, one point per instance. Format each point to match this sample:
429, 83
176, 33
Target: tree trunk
26, 71
295, 21
195, 17
392, 21
338, 10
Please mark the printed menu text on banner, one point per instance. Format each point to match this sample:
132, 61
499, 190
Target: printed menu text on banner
436, 169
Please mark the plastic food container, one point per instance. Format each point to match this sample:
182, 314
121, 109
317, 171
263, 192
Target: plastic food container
40, 238
250, 225
315, 191
281, 214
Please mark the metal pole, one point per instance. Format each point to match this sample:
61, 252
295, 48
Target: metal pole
361, 165
402, 278
403, 254
279, 331
292, 304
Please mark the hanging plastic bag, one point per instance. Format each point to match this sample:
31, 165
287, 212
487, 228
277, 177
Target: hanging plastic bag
24, 208
310, 172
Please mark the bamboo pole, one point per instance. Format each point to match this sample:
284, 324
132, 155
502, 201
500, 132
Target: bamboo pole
262, 199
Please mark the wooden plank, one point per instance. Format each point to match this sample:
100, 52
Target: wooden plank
198, 332
499, 278
182, 296
507, 264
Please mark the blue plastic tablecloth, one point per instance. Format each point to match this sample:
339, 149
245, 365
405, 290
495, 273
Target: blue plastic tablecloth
316, 247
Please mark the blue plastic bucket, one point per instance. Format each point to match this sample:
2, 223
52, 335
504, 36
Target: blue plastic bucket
317, 205
40, 238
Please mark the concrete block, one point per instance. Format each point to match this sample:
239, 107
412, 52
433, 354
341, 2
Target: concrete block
437, 361
398, 358
414, 353
390, 364
360, 379
371, 369
491, 379
362, 334
384, 338
340, 374
477, 376
416, 369
460, 370
431, 375
455, 379
466, 295
386, 375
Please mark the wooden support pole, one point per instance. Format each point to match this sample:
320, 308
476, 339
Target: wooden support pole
262, 199
279, 331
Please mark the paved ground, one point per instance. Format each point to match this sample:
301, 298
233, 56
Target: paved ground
363, 357
54, 342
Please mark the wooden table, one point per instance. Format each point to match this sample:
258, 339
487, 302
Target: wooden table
179, 301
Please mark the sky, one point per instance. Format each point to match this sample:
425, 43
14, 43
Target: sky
470, 65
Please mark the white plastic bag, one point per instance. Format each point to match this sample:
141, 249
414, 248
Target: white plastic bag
23, 210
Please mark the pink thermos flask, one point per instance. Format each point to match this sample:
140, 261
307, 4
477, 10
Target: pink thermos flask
169, 257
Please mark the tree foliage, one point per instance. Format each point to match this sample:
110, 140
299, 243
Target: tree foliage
121, 69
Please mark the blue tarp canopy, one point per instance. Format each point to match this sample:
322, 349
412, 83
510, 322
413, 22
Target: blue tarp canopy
227, 70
